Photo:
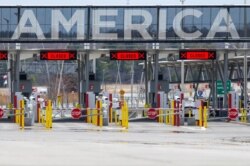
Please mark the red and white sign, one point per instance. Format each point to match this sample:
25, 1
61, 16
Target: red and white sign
1, 113
76, 113
152, 113
232, 114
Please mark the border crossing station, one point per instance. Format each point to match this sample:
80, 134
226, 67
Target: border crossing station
188, 68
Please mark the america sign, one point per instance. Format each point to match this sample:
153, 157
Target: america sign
119, 24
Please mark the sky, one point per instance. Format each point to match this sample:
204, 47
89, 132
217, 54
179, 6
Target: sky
119, 2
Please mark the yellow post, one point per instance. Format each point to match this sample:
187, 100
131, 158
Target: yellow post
242, 114
122, 112
115, 117
172, 112
47, 116
205, 117
22, 114
190, 113
111, 115
101, 115
160, 116
88, 116
39, 115
50, 114
43, 117
127, 116
245, 116
59, 100
200, 116
167, 117
17, 116
92, 116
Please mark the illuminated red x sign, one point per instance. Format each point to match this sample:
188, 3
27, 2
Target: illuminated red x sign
128, 55
197, 54
58, 55
3, 55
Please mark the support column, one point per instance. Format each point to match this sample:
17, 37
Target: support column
79, 72
85, 73
16, 67
10, 77
245, 80
182, 71
225, 105
213, 86
156, 67
146, 80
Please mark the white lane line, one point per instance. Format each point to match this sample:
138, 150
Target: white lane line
194, 128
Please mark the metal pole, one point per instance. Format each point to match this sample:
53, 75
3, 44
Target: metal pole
79, 62
156, 60
213, 85
86, 72
225, 78
16, 72
132, 82
245, 59
146, 80
182, 63
245, 80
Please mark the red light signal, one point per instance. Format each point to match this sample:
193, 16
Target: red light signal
3, 55
197, 55
58, 55
128, 55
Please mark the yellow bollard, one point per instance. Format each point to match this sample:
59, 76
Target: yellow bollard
22, 114
167, 117
17, 116
125, 115
46, 116
88, 116
172, 112
101, 115
94, 117
245, 116
59, 101
43, 117
159, 116
50, 114
190, 113
39, 115
242, 115
122, 112
111, 115
115, 117
205, 117
200, 116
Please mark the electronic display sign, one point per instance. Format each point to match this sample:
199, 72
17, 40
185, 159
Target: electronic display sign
58, 55
197, 55
128, 55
